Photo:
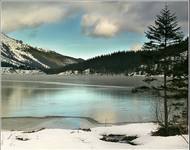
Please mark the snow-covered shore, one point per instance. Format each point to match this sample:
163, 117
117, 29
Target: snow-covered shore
59, 139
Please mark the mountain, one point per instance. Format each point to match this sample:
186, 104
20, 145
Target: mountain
16, 54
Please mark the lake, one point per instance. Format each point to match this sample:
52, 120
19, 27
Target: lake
28, 104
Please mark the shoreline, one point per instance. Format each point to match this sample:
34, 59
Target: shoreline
47, 122
84, 80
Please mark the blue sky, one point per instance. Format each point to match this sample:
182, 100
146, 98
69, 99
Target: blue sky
84, 31
66, 37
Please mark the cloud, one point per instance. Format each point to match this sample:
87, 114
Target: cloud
98, 18
111, 18
21, 15
98, 26
105, 28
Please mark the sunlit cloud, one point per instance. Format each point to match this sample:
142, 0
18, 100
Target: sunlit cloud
99, 26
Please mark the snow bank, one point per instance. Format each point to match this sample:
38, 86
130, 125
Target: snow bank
58, 139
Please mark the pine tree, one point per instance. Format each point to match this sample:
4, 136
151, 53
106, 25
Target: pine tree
163, 33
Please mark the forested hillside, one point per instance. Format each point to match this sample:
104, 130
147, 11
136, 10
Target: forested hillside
125, 61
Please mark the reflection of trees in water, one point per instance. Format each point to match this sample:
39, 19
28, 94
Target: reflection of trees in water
126, 92
136, 106
17, 96
13, 98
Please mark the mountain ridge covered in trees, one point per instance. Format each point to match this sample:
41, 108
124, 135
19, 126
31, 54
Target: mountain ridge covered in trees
124, 61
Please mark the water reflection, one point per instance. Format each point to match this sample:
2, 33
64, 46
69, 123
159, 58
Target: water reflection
103, 104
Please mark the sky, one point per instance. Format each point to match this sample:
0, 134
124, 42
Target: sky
84, 29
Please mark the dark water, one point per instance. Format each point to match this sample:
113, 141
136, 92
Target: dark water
97, 104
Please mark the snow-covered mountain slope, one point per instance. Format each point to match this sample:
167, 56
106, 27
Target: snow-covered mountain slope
14, 53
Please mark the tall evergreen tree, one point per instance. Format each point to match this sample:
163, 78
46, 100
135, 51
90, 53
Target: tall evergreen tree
163, 33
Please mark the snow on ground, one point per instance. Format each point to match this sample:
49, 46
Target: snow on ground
8, 70
16, 51
58, 139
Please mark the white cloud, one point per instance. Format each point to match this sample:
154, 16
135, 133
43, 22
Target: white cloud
105, 28
30, 15
99, 26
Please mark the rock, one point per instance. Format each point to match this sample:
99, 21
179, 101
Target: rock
119, 138
22, 138
88, 129
140, 89
149, 80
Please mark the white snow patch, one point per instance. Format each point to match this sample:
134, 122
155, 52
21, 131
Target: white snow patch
16, 49
58, 139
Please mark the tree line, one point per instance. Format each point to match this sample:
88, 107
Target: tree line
124, 61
